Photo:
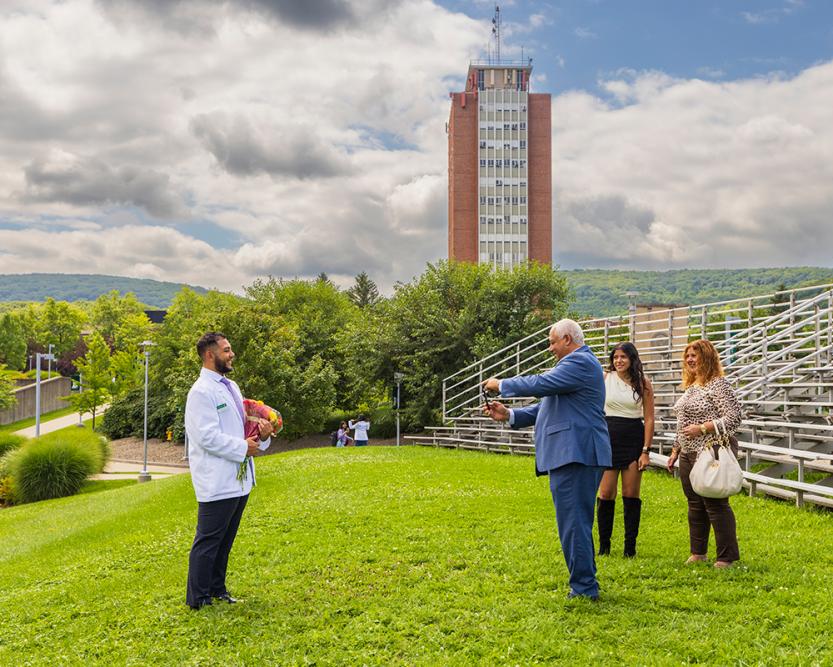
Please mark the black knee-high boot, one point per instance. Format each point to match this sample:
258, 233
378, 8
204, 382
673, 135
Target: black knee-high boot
604, 514
633, 510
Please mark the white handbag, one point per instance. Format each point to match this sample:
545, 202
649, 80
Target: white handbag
716, 478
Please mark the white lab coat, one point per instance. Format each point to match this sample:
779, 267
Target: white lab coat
216, 445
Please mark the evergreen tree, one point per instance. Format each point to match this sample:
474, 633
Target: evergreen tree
364, 292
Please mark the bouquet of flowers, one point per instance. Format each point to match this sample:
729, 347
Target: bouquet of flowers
257, 413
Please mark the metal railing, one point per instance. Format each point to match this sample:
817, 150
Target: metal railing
778, 344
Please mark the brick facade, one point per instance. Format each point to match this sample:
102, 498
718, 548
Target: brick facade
540, 178
462, 178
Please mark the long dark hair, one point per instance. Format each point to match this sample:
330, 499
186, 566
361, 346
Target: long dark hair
637, 376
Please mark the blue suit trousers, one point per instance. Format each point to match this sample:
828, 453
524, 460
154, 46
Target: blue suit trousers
574, 488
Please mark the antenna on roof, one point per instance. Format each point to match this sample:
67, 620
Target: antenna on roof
496, 32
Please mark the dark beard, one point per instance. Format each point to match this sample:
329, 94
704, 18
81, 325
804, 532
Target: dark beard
222, 368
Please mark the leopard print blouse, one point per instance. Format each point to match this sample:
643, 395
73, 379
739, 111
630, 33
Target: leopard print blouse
715, 401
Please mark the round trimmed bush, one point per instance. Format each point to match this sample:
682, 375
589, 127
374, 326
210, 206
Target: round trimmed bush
84, 437
10, 441
53, 467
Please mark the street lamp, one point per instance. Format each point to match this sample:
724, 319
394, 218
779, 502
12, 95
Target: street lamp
80, 391
144, 476
38, 358
398, 377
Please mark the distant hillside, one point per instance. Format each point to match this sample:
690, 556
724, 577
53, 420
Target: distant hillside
80, 287
602, 291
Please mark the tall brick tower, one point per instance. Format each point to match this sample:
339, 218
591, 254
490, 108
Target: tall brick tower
499, 168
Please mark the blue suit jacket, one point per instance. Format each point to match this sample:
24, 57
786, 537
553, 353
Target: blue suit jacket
570, 425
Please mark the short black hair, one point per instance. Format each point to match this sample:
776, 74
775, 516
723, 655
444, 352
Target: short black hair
207, 340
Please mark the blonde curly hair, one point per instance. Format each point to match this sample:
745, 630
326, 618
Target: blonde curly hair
709, 366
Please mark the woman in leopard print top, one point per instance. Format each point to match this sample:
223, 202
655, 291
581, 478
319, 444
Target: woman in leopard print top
709, 404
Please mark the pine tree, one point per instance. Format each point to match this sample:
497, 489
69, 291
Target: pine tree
364, 292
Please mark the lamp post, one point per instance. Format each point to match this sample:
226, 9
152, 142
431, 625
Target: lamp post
398, 377
38, 358
49, 358
80, 389
144, 476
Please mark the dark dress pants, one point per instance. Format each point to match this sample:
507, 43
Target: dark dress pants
573, 489
704, 513
217, 523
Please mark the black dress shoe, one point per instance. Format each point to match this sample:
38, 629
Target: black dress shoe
226, 597
200, 604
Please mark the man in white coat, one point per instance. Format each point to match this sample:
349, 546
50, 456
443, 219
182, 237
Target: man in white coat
214, 421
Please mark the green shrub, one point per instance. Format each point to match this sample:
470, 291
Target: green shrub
7, 494
125, 416
10, 441
56, 465
83, 437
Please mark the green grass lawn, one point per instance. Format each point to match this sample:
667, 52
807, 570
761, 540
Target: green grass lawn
404, 556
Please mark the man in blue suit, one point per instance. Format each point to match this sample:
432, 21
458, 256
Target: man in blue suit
572, 444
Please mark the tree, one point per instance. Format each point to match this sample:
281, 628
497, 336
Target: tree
448, 317
128, 371
364, 292
7, 398
96, 376
110, 314
13, 340
59, 323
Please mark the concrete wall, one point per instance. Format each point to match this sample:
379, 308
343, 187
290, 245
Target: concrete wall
51, 393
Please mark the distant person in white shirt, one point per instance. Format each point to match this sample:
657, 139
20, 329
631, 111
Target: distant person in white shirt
214, 421
361, 427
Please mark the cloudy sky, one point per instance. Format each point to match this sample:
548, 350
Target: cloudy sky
213, 142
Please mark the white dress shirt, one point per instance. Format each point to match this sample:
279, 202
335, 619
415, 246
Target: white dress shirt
216, 444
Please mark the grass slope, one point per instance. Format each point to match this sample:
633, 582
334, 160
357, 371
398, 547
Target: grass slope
403, 556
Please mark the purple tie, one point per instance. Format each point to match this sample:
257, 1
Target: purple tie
242, 412
237, 402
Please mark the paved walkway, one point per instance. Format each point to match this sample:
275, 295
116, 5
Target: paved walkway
60, 422
130, 470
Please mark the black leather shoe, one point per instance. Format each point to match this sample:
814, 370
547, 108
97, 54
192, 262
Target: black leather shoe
226, 597
200, 604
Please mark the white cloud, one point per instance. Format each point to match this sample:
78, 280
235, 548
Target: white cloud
314, 137
315, 142
584, 33
692, 173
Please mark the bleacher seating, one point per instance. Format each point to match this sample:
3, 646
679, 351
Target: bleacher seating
777, 350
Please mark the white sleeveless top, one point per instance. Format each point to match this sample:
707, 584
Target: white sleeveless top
619, 398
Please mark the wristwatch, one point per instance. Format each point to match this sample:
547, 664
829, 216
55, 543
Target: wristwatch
645, 450
703, 429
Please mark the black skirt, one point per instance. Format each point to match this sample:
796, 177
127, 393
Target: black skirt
627, 437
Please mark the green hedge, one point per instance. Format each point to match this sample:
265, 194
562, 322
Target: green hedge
125, 416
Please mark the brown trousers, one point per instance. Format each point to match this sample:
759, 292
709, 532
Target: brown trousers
708, 512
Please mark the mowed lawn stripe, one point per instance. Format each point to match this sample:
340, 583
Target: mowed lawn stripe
403, 556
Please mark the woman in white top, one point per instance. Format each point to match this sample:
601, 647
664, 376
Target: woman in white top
629, 410
361, 426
